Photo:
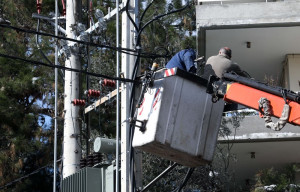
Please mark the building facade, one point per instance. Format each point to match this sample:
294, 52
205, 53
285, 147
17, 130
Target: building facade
264, 38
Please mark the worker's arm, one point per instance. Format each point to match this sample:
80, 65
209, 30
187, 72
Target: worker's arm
236, 68
188, 59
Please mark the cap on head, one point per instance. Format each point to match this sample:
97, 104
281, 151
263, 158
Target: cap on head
226, 51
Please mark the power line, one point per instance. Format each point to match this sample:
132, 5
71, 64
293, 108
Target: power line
25, 176
68, 69
139, 29
120, 49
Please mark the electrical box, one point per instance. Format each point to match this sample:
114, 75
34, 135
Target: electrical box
90, 179
181, 122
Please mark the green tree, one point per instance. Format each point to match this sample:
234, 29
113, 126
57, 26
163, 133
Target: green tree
168, 34
26, 104
27, 91
277, 179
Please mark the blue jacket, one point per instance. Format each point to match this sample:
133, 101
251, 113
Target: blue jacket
184, 60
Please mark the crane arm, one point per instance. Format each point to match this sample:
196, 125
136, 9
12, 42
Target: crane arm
284, 104
250, 97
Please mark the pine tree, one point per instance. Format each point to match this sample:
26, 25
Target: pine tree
25, 106
27, 91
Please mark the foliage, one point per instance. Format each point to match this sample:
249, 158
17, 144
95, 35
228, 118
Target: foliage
26, 104
101, 121
202, 177
224, 159
279, 179
27, 91
169, 34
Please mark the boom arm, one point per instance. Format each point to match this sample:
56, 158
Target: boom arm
248, 96
249, 92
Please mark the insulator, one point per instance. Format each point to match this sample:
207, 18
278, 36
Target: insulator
64, 7
97, 158
109, 83
90, 161
38, 7
78, 102
99, 14
93, 93
82, 163
84, 36
80, 27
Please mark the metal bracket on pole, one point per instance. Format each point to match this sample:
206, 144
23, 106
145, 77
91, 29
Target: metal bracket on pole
101, 101
51, 21
96, 25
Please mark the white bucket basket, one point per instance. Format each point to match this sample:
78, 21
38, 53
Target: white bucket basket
182, 123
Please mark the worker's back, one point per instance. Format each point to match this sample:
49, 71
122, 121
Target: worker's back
218, 64
184, 60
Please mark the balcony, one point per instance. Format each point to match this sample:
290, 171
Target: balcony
255, 147
260, 34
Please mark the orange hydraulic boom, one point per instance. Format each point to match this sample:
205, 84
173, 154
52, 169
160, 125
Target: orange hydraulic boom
268, 100
248, 96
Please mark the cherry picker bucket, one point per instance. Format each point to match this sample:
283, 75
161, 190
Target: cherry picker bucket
177, 119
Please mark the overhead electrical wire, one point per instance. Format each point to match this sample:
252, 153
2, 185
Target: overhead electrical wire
132, 109
185, 180
38, 44
25, 176
139, 30
68, 69
41, 51
120, 49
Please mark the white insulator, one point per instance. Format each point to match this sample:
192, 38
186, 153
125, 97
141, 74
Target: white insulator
99, 14
80, 27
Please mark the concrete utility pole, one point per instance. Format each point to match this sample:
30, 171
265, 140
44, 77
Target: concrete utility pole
71, 145
56, 95
127, 69
117, 188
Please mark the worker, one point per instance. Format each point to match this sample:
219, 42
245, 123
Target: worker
185, 60
221, 63
218, 65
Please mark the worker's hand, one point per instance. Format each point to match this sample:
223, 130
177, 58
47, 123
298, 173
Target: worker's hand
193, 69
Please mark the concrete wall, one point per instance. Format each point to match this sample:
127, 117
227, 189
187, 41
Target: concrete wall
213, 15
292, 72
271, 148
252, 129
244, 15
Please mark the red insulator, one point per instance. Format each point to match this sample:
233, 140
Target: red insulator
74, 102
78, 102
38, 6
93, 93
90, 91
64, 7
109, 83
